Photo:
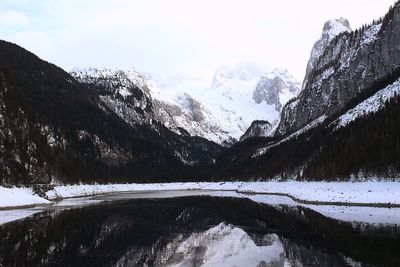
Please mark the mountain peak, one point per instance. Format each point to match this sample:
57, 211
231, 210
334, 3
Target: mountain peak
331, 29
335, 27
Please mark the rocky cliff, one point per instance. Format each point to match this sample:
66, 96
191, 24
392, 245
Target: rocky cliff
256, 129
347, 67
344, 123
276, 88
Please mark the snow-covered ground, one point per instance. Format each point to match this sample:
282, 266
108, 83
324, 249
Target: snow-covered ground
68, 191
368, 193
341, 192
372, 192
13, 197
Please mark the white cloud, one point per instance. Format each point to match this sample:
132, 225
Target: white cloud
14, 18
183, 36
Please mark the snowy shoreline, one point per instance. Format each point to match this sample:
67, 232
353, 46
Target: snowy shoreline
20, 198
370, 193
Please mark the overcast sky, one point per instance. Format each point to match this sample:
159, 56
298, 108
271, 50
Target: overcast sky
177, 37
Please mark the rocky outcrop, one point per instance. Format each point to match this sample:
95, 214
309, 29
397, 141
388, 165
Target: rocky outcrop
276, 88
195, 108
125, 92
350, 65
257, 129
331, 29
268, 90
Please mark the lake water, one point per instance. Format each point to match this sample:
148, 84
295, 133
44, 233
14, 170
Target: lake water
189, 228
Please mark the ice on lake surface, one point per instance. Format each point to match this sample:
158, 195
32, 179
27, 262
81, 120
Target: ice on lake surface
199, 228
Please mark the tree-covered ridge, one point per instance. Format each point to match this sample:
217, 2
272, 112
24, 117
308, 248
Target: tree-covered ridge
55, 128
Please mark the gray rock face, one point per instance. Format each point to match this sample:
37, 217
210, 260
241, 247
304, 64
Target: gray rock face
331, 29
350, 64
257, 128
195, 107
172, 110
268, 90
276, 88
126, 93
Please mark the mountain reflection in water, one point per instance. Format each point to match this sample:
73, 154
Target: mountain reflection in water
195, 231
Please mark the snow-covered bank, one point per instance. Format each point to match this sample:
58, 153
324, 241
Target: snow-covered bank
16, 197
373, 192
307, 194
88, 190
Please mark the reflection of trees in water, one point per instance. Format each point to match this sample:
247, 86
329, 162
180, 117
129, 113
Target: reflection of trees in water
136, 232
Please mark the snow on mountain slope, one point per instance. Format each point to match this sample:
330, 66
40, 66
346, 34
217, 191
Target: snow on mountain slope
370, 105
343, 64
120, 78
127, 93
124, 92
311, 125
225, 109
221, 111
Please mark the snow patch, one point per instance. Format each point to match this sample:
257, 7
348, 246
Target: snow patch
124, 92
13, 197
261, 151
368, 106
370, 34
347, 192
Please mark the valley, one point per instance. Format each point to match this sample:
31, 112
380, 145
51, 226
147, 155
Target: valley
248, 166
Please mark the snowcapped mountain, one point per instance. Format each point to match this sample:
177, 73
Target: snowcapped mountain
223, 110
344, 65
344, 123
127, 94
124, 92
